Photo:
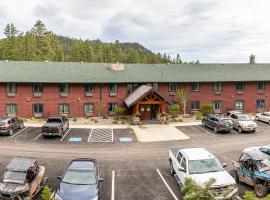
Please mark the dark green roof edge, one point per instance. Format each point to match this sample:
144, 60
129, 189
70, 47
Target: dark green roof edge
76, 72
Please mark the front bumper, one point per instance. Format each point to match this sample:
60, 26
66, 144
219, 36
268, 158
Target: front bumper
50, 134
249, 129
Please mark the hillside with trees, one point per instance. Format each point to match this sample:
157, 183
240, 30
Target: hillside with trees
39, 44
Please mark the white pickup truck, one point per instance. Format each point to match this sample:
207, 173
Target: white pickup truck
200, 165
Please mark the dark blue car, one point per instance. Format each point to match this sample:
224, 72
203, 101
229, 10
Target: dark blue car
81, 180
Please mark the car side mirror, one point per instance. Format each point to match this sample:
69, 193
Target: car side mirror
181, 169
224, 165
101, 179
59, 178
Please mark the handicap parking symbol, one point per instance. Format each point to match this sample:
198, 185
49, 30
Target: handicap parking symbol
75, 139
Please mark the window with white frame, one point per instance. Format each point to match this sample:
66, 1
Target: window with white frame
240, 86
11, 88
172, 87
260, 104
63, 88
260, 86
37, 88
195, 105
37, 108
11, 108
111, 106
217, 105
239, 104
89, 88
63, 108
218, 87
113, 88
88, 108
194, 87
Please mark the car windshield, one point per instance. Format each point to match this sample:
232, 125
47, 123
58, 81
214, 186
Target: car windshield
204, 166
243, 118
54, 120
226, 121
80, 177
263, 165
14, 177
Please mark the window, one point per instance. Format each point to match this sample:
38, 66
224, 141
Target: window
184, 164
218, 87
179, 157
260, 86
11, 108
37, 88
194, 87
172, 87
63, 88
89, 88
260, 104
111, 106
64, 108
113, 88
88, 108
194, 105
37, 108
239, 104
11, 88
155, 86
217, 105
240, 86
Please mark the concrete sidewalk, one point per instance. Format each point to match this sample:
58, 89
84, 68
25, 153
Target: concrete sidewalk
158, 133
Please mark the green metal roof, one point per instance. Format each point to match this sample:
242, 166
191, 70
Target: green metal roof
71, 72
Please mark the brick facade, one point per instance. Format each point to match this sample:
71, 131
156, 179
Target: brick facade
76, 98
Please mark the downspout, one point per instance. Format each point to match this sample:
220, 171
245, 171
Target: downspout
100, 100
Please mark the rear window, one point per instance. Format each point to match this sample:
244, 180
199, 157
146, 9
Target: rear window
54, 120
2, 123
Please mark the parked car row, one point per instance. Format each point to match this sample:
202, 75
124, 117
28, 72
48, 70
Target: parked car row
232, 119
252, 168
24, 178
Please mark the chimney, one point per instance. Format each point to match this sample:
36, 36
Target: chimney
116, 67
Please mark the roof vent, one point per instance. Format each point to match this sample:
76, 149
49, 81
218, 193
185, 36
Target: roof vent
116, 67
6, 60
46, 61
81, 62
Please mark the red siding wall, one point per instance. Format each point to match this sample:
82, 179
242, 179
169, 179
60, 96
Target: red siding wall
76, 98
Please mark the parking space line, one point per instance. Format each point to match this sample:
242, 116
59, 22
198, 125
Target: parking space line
113, 178
90, 133
206, 131
112, 134
65, 134
17, 133
37, 137
167, 185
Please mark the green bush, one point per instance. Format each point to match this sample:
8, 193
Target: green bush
46, 193
115, 122
174, 109
75, 119
117, 111
249, 195
207, 109
198, 115
95, 121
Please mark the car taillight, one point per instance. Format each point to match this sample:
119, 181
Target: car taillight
4, 127
59, 129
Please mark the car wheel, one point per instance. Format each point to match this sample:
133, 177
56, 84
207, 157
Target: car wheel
257, 118
234, 174
10, 133
240, 129
171, 169
260, 190
215, 129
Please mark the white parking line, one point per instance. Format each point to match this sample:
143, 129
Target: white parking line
90, 133
206, 131
167, 185
112, 134
65, 134
37, 137
17, 133
113, 178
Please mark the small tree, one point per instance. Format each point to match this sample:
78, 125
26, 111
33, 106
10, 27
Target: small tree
252, 59
174, 109
182, 98
46, 193
118, 111
207, 109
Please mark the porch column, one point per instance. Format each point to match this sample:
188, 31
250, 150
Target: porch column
137, 108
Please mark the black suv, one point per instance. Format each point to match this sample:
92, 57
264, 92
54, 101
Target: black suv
80, 181
218, 123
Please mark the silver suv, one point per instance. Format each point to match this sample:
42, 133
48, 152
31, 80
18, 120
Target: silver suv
242, 122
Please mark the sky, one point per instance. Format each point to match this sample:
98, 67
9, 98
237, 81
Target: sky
213, 31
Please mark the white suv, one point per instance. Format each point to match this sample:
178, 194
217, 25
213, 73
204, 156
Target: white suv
242, 122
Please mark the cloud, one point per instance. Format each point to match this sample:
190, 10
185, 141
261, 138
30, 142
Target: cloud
209, 30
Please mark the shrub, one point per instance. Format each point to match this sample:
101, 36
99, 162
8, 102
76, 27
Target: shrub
33, 119
115, 122
46, 193
207, 109
180, 120
75, 119
198, 115
95, 121
118, 111
174, 109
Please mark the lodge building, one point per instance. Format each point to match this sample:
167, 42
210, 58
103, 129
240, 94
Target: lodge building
44, 89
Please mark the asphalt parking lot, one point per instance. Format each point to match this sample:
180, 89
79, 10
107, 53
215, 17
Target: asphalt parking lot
132, 170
